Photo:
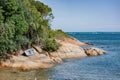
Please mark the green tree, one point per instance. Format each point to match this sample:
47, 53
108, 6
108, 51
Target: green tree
23, 23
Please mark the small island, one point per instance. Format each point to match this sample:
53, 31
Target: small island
27, 40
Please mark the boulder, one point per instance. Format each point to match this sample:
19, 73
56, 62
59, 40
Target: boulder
94, 51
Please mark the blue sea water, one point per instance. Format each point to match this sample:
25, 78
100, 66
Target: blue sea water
104, 67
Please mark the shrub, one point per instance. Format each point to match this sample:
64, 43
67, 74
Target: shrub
50, 45
59, 34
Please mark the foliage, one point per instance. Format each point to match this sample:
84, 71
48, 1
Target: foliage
50, 45
25, 22
59, 34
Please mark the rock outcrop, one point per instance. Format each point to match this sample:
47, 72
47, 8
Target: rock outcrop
94, 51
70, 48
31, 62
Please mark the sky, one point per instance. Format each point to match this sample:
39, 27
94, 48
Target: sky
85, 15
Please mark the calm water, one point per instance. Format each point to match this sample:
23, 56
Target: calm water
105, 67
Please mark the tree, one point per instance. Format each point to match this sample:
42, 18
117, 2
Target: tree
23, 23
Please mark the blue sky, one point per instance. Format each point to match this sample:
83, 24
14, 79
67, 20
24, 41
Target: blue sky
85, 15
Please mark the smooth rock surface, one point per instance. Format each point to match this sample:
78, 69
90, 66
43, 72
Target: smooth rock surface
94, 51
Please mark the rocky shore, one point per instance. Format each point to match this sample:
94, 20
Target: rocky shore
70, 48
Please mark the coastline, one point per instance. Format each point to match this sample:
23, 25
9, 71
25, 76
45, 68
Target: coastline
69, 49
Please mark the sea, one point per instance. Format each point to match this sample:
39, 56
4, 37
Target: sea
104, 67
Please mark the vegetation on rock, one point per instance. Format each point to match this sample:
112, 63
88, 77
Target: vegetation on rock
23, 23
59, 34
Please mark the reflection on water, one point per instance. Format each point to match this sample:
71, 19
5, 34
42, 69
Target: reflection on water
15, 74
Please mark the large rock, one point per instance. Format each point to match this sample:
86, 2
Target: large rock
68, 50
94, 51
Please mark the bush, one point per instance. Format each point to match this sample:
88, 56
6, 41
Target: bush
25, 22
59, 34
50, 45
